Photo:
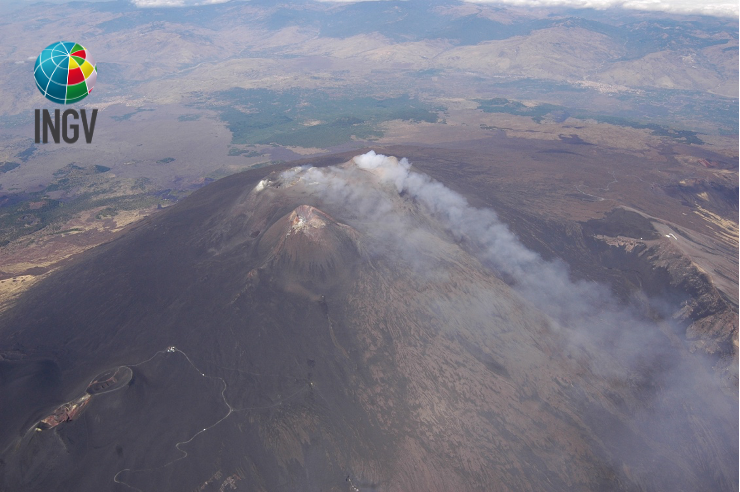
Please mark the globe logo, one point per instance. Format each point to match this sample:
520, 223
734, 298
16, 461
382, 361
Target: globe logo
65, 73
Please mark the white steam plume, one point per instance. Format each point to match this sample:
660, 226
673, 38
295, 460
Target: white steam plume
585, 312
610, 345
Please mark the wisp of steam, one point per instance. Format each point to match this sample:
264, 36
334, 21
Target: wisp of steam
583, 312
580, 306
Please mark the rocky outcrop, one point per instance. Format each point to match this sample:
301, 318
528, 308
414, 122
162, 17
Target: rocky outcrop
678, 288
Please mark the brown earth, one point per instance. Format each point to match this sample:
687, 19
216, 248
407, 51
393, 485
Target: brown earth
416, 371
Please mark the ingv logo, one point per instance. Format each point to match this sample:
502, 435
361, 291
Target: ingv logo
65, 73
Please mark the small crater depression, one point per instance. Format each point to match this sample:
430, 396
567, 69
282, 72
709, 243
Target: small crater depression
110, 380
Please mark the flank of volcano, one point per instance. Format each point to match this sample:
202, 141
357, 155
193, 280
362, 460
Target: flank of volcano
350, 326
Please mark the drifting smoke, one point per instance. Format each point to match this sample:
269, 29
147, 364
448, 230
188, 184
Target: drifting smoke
398, 210
385, 216
547, 284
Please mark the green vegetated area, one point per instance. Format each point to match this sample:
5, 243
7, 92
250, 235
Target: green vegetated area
685, 136
234, 151
559, 113
23, 214
312, 118
501, 105
8, 166
128, 116
671, 108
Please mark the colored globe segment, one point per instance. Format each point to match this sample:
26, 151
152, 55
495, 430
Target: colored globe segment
65, 73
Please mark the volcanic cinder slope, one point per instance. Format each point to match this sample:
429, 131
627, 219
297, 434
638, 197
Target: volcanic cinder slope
348, 327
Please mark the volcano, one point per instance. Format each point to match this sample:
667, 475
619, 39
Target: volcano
346, 326
307, 246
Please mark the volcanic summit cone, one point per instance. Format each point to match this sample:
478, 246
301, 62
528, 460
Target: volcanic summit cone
309, 246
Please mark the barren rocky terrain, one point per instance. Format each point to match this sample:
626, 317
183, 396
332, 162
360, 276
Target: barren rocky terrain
360, 325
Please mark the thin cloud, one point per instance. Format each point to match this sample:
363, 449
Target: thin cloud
195, 3
586, 311
712, 8
718, 9
174, 3
349, 1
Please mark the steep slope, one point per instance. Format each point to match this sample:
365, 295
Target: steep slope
352, 327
